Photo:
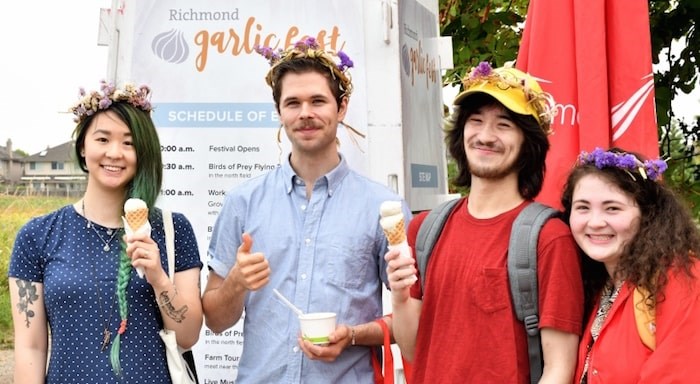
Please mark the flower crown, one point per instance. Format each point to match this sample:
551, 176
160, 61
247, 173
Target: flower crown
649, 169
337, 62
542, 102
89, 103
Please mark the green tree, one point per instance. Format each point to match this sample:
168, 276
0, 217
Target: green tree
675, 38
682, 169
481, 30
490, 30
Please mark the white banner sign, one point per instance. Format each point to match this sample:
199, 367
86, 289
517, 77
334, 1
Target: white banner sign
216, 119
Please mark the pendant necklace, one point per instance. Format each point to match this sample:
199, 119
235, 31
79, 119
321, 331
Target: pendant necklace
110, 231
106, 333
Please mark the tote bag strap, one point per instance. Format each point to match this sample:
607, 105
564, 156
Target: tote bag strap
169, 243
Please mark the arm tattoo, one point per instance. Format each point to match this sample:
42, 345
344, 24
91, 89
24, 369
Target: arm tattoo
165, 302
27, 296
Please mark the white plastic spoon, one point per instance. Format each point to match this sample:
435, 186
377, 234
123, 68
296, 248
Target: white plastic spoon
288, 303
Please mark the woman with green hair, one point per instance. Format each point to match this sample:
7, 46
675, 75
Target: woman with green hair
73, 279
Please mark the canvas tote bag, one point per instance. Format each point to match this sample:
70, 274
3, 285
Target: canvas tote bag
180, 361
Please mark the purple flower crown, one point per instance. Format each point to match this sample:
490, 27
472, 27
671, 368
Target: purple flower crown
649, 169
337, 62
89, 103
542, 102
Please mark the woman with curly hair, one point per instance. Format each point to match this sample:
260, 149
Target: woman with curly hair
640, 271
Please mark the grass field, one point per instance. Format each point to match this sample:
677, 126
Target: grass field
15, 211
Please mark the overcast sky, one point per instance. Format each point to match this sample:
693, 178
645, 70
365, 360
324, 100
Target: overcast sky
50, 50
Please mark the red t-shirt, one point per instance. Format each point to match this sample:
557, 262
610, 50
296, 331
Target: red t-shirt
468, 331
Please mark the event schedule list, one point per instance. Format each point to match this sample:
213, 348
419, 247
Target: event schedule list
198, 171
198, 175
183, 164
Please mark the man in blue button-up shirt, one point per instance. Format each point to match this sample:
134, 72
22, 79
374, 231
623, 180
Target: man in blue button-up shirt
309, 229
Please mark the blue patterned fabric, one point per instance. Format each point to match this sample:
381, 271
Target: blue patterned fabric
60, 252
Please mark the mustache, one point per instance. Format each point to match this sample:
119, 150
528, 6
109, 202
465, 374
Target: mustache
484, 145
306, 125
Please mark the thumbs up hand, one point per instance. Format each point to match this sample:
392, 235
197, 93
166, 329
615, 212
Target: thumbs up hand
251, 270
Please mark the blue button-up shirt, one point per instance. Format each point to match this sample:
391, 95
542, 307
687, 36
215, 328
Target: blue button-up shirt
326, 254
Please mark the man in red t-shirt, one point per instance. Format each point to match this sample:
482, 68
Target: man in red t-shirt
461, 326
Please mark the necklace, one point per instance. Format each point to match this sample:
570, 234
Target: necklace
106, 333
607, 299
110, 231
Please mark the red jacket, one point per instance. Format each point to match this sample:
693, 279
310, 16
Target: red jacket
618, 356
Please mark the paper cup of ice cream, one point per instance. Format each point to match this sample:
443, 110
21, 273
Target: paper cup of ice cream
317, 326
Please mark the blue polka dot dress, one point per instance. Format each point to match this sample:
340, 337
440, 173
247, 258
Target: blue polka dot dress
60, 251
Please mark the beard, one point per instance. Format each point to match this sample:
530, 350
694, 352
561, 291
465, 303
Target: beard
492, 171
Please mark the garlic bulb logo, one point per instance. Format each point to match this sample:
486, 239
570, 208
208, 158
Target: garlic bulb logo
170, 46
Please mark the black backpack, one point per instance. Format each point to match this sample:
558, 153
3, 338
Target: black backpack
522, 266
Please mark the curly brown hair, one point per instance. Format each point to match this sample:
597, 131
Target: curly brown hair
668, 236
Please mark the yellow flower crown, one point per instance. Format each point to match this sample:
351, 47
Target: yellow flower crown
337, 63
89, 103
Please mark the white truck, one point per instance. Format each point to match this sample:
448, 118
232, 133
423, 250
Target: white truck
217, 122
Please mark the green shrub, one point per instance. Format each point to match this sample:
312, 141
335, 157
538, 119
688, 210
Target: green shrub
15, 212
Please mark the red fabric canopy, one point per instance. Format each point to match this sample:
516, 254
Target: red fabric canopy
594, 57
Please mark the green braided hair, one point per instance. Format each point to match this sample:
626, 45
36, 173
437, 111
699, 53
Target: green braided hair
132, 106
145, 185
123, 278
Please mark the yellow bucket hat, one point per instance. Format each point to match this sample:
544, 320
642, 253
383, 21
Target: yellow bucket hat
515, 89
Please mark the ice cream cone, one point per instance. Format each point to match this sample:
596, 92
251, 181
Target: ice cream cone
137, 218
390, 208
394, 229
135, 213
392, 222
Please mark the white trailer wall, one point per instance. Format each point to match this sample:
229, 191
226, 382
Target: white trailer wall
217, 123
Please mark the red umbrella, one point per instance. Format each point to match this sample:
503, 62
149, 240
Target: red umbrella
594, 58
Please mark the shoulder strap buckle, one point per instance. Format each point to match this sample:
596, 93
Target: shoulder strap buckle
532, 325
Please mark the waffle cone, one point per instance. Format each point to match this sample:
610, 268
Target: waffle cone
396, 234
136, 218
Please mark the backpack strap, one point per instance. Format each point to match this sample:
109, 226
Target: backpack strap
522, 266
522, 276
429, 232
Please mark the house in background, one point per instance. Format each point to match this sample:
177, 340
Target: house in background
10, 165
54, 171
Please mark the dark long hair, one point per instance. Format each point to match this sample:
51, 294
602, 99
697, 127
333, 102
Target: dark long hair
667, 237
531, 161
148, 180
145, 185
